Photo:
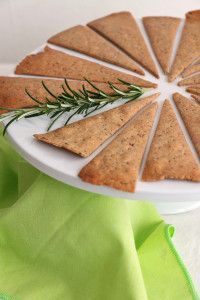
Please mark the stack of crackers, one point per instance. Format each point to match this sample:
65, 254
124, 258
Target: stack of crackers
116, 39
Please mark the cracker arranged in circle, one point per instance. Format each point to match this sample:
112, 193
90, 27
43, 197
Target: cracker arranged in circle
169, 156
191, 70
85, 136
193, 90
189, 46
55, 63
85, 40
190, 113
122, 30
118, 164
193, 80
162, 32
13, 94
197, 98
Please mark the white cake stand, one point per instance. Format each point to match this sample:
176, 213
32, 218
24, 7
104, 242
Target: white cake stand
169, 196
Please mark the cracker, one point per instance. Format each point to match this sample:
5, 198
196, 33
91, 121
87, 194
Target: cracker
55, 63
85, 40
122, 30
190, 113
195, 86
118, 164
170, 156
13, 95
197, 98
162, 32
189, 46
85, 136
193, 80
193, 90
191, 70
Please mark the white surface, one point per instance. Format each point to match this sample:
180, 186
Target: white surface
166, 208
43, 18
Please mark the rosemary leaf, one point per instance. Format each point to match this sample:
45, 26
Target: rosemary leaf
83, 101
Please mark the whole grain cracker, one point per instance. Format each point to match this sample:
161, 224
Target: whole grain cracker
193, 90
122, 30
118, 164
193, 80
85, 136
191, 70
189, 46
85, 40
55, 63
190, 113
13, 94
170, 156
197, 98
162, 32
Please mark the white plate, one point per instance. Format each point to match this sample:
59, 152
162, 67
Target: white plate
64, 166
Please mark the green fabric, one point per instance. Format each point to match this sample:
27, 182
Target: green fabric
58, 242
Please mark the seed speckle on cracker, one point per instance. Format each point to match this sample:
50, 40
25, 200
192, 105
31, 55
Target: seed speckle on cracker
85, 40
162, 32
191, 70
190, 113
85, 136
189, 46
193, 80
169, 156
118, 164
13, 94
54, 63
193, 90
122, 30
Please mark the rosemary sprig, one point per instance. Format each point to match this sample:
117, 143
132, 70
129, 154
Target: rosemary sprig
82, 101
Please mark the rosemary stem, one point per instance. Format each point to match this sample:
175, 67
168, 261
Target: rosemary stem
82, 101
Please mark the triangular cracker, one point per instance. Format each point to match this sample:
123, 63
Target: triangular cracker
195, 86
55, 63
193, 80
191, 70
13, 95
190, 113
85, 40
193, 90
197, 98
118, 164
122, 30
162, 32
85, 136
170, 156
189, 46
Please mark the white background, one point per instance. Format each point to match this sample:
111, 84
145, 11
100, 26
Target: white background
26, 24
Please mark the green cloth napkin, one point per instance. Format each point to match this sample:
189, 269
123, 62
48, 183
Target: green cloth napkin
58, 242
